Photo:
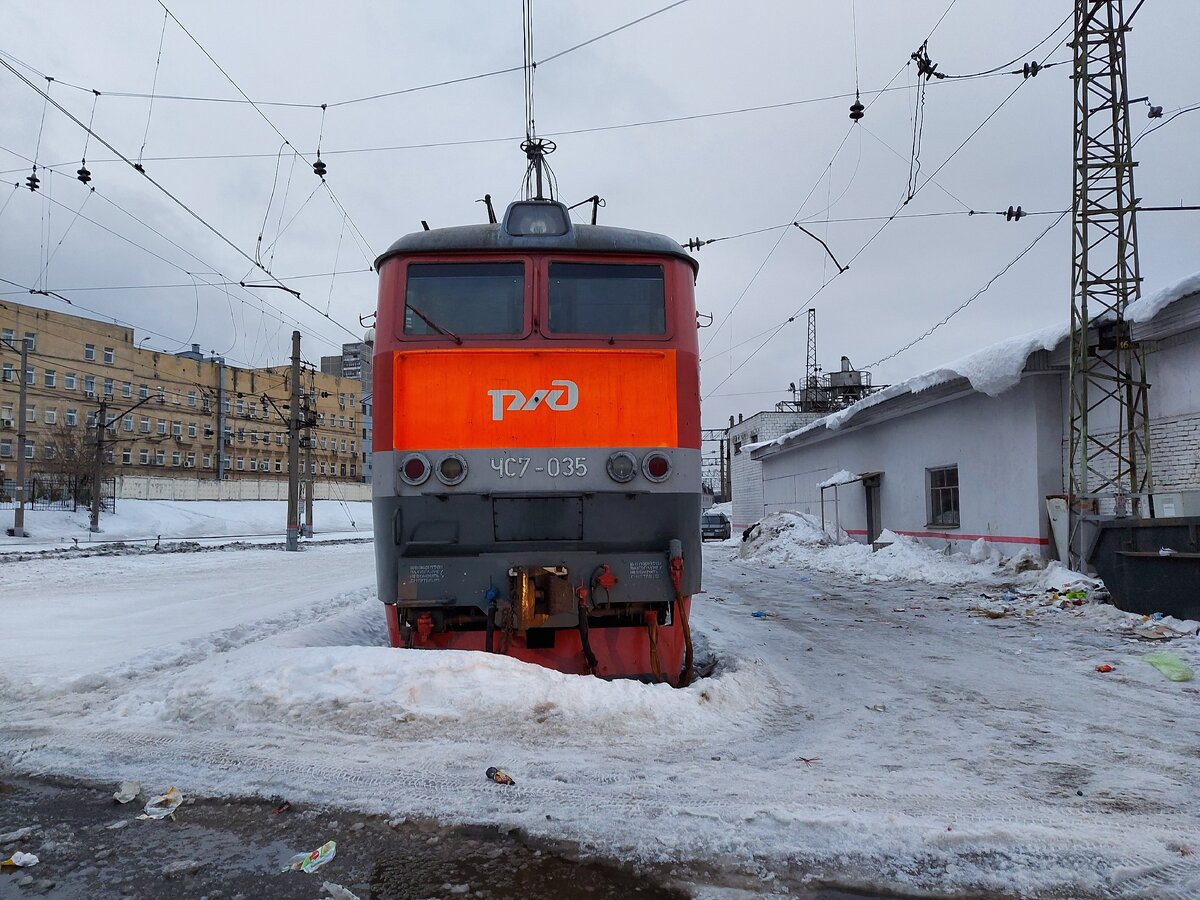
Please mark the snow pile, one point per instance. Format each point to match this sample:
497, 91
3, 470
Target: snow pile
796, 539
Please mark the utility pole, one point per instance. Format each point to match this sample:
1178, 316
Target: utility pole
1110, 429
310, 399
97, 466
220, 361
293, 511
19, 512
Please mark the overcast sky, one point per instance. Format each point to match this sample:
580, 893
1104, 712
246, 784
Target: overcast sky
708, 176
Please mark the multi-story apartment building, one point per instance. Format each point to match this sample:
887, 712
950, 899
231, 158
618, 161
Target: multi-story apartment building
164, 411
355, 362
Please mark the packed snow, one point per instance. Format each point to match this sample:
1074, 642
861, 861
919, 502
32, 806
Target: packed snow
842, 477
899, 720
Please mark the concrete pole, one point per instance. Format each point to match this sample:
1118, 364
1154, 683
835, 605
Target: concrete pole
308, 474
19, 512
97, 466
293, 511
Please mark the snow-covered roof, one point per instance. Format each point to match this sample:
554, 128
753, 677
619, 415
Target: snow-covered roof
992, 370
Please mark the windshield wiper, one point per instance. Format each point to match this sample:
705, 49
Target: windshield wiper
434, 325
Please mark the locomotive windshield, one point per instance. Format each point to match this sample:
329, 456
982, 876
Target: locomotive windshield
465, 298
590, 298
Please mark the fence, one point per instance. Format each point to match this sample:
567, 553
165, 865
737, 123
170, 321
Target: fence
150, 487
62, 492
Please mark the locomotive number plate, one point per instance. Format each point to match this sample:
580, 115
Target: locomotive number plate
554, 466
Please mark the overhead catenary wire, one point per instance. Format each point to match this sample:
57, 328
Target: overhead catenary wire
153, 87
168, 193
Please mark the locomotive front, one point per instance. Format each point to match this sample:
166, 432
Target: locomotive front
536, 458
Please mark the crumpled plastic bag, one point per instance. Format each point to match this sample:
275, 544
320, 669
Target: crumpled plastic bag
310, 862
1170, 665
164, 805
21, 860
127, 792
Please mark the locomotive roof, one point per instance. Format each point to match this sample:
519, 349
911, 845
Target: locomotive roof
580, 239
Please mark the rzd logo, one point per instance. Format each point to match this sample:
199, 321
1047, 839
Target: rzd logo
562, 396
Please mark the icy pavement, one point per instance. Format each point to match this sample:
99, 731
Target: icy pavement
875, 734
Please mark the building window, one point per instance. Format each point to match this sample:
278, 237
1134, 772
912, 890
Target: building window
191, 429
6, 448
208, 460
51, 415
278, 464
143, 392
177, 458
162, 426
737, 445
72, 417
127, 390
127, 456
110, 356
8, 372
191, 460
177, 429
943, 496
241, 463
144, 425
8, 336
205, 405
253, 464
160, 457
241, 407
144, 456
91, 418
69, 381
89, 384
108, 387
89, 352
50, 377
31, 376
30, 449
31, 413
127, 423
49, 452
191, 398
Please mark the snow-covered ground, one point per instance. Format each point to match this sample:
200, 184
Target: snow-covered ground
147, 520
939, 734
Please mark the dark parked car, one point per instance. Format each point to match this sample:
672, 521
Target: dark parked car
715, 526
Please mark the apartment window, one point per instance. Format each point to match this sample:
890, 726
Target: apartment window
143, 392
241, 435
191, 460
191, 398
49, 451
177, 458
353, 471
127, 390
278, 465
69, 381
162, 426
279, 437
227, 463
127, 456
144, 457
322, 468
6, 412
177, 429
205, 404
91, 418
50, 378
943, 496
89, 352
6, 448
9, 372
342, 401
241, 407
352, 421
72, 417
110, 356
144, 425
31, 376
30, 449
8, 336
108, 387
343, 470
253, 464
351, 399
51, 415
208, 460
160, 457
127, 423
191, 429
162, 396
241, 463
89, 384
31, 340
321, 442
31, 413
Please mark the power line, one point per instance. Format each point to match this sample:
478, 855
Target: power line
954, 312
170, 195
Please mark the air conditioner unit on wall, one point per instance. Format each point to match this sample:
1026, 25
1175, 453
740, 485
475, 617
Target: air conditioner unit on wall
91, 395
6, 423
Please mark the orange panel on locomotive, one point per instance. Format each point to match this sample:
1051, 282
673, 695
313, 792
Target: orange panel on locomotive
536, 458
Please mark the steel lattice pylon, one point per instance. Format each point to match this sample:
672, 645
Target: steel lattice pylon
1110, 435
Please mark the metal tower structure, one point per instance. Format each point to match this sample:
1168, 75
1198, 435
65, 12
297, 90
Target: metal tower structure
1110, 435
812, 369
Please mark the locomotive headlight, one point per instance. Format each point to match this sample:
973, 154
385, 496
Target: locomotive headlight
622, 466
656, 466
452, 469
539, 218
414, 469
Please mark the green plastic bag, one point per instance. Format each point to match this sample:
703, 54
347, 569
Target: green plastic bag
1170, 665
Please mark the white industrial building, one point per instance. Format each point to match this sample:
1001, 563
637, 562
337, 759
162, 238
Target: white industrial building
975, 448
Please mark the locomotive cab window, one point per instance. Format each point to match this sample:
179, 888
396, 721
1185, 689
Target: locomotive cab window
454, 299
606, 299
